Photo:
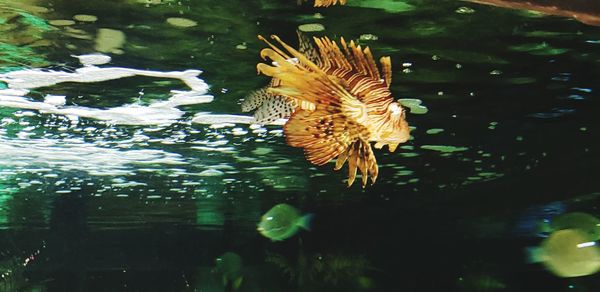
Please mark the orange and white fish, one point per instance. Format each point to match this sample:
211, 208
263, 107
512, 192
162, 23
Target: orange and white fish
341, 104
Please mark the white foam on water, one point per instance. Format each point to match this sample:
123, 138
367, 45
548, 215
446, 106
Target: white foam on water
158, 113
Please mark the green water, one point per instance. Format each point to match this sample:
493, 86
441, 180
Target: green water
509, 139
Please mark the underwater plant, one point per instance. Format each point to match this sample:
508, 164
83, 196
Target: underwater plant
324, 270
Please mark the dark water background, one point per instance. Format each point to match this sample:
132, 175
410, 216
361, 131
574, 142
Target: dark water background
518, 90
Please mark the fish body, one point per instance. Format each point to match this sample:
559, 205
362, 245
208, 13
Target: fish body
229, 266
584, 222
568, 253
282, 222
351, 104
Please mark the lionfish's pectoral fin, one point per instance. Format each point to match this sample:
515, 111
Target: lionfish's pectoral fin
322, 135
304, 81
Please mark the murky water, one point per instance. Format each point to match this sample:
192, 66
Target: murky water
135, 175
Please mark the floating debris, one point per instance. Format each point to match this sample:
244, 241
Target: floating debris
444, 148
434, 131
110, 41
414, 105
61, 22
368, 37
93, 59
261, 151
464, 10
311, 27
85, 18
181, 22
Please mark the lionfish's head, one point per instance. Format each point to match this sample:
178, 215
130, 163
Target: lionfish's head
395, 130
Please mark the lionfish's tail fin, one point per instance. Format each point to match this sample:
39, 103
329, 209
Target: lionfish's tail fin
273, 108
359, 156
255, 99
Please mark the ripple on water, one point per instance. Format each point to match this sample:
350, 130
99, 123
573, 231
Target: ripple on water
38, 155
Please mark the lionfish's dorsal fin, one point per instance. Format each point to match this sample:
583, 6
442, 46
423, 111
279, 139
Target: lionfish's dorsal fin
306, 47
386, 67
352, 59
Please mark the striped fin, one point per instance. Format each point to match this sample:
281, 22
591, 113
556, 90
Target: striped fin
271, 107
323, 134
307, 82
353, 58
386, 67
306, 47
357, 68
359, 156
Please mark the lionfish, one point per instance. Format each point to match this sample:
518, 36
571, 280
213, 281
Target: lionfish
337, 100
324, 3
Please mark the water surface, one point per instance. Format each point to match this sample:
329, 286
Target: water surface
93, 204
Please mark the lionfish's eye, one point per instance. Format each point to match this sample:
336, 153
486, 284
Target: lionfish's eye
396, 110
